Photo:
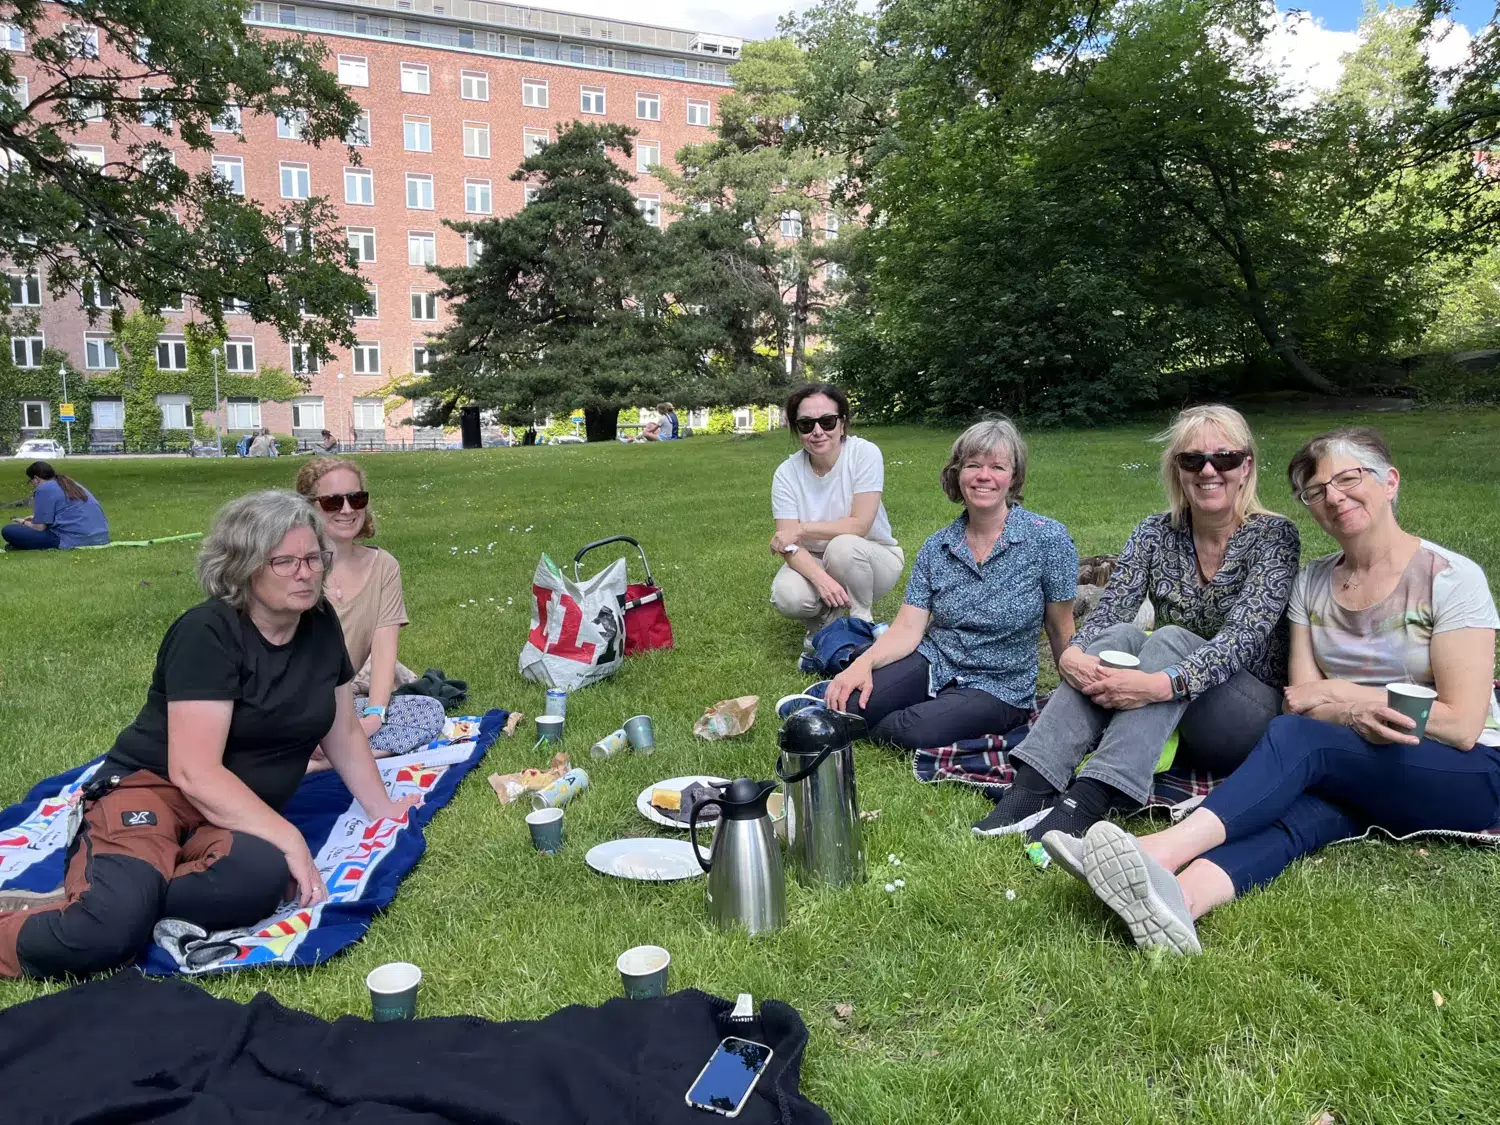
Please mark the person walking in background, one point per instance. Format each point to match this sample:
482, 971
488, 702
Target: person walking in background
64, 514
832, 533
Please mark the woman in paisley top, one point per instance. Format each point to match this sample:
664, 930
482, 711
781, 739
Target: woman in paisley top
1218, 569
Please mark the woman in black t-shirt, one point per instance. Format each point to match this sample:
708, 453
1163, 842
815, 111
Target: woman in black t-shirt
182, 830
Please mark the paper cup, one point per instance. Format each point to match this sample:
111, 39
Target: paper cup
1412, 700
640, 733
643, 971
1112, 658
550, 727
393, 991
546, 830
776, 810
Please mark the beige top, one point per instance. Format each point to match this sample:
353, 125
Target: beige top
373, 606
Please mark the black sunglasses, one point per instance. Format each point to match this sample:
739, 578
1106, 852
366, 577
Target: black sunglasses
827, 421
1224, 460
359, 501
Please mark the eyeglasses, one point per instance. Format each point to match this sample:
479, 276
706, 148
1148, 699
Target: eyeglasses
1346, 481
1224, 460
335, 503
285, 566
827, 421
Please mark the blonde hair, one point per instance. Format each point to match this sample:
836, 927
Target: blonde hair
244, 534
315, 470
1181, 432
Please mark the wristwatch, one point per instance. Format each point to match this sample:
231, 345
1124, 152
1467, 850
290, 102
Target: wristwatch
1179, 683
371, 709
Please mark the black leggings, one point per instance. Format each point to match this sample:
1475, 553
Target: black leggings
904, 714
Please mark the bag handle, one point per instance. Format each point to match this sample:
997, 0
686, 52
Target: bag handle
587, 547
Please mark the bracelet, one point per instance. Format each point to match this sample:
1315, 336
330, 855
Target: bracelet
371, 709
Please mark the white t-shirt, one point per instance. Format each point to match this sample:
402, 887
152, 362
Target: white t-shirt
1439, 591
798, 493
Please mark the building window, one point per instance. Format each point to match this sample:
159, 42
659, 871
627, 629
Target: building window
12, 38
744, 418
648, 107
231, 170
476, 139
477, 197
421, 359
361, 244
239, 357
304, 361
228, 120
287, 14
289, 125
698, 419
791, 224
176, 412
358, 135
82, 42
366, 359
591, 99
416, 133
35, 414
534, 93
369, 308
26, 351
419, 191
92, 155
697, 113
108, 413
532, 141
242, 414
235, 306
415, 78
171, 353
354, 70
647, 153
25, 290
531, 194
423, 305
474, 86
296, 183
99, 354
650, 208
831, 226
293, 241
359, 186
97, 295
369, 414
473, 250
307, 413
421, 248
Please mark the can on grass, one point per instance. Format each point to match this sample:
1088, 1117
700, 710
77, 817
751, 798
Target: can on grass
557, 702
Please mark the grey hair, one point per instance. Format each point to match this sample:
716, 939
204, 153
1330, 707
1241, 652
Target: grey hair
998, 432
244, 534
1362, 444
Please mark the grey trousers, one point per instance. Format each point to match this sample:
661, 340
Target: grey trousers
1215, 731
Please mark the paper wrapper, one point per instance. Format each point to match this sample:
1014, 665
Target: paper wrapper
727, 718
510, 787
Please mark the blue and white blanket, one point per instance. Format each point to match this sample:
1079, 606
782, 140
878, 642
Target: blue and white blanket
362, 863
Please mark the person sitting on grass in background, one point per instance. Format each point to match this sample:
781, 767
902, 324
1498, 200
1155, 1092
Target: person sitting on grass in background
1388, 607
364, 586
670, 429
960, 660
182, 829
264, 445
328, 444
1218, 569
832, 532
64, 514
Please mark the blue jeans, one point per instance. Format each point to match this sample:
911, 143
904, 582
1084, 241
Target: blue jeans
24, 538
1308, 783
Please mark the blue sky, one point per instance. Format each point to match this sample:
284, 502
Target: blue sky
1343, 15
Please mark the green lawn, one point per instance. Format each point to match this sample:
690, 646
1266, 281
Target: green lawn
968, 1006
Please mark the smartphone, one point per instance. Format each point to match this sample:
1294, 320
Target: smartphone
726, 1081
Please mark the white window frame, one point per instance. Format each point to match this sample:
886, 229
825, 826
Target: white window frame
649, 207
368, 409
107, 410
532, 140
242, 414
642, 150
416, 78
82, 41
98, 351
29, 287
479, 198
354, 70
421, 359
97, 295
370, 309
44, 408
477, 139
12, 37
362, 181
89, 154
474, 85
535, 93
791, 224
423, 304
30, 350
235, 306
231, 170
416, 134
744, 417
231, 121
289, 125
359, 134
586, 100
530, 194
20, 89
703, 110
303, 360
307, 412
362, 241
473, 249
421, 248
176, 349
170, 405
365, 357
697, 418
647, 106
418, 180
239, 356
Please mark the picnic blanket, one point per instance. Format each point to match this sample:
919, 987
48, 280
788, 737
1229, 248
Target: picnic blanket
362, 863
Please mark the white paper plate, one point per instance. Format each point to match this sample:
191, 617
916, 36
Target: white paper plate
647, 858
648, 810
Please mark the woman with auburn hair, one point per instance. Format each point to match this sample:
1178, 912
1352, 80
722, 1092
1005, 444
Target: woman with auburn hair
64, 514
1218, 569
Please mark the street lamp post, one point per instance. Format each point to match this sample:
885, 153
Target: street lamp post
218, 408
342, 431
68, 425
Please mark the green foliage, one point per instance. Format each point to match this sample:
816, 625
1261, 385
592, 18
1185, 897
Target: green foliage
720, 421
1441, 380
43, 383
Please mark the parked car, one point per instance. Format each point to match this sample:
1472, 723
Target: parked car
40, 448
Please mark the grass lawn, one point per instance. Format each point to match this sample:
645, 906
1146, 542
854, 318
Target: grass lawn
969, 1006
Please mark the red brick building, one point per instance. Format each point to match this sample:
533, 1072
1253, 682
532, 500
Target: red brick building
453, 92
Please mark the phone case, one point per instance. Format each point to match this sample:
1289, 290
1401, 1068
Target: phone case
735, 1112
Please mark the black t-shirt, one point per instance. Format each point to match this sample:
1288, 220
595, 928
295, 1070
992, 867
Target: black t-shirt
282, 694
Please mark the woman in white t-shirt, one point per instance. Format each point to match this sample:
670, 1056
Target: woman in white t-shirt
832, 533
1388, 607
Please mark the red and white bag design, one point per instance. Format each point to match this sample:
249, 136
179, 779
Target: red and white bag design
577, 628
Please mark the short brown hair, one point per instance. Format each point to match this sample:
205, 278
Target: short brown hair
315, 470
806, 391
1364, 443
993, 433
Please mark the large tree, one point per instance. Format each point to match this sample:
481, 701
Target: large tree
578, 301
141, 224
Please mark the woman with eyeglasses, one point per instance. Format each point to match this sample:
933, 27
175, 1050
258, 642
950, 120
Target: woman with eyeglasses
182, 832
832, 533
1218, 569
364, 587
1388, 607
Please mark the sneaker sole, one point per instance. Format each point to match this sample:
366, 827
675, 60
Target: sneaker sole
1019, 826
1063, 855
1117, 874
812, 701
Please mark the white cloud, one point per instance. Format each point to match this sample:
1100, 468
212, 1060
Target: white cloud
749, 19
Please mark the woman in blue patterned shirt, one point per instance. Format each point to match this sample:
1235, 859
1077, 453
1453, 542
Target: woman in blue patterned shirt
960, 659
1218, 569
